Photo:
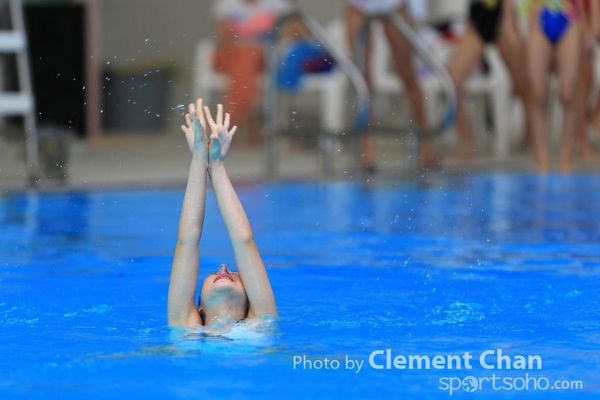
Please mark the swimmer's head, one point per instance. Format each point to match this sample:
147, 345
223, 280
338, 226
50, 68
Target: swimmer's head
223, 294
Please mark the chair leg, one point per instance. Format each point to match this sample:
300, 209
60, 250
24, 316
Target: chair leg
326, 151
272, 156
32, 149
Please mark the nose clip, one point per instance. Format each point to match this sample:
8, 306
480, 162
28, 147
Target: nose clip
223, 269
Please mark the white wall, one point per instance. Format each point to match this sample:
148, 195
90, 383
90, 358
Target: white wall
139, 35
145, 34
147, 30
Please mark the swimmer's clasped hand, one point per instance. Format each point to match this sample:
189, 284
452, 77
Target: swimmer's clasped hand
195, 130
220, 134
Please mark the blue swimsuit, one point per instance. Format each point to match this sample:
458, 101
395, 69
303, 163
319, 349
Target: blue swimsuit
555, 17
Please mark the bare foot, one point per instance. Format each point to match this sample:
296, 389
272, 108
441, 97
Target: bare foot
461, 155
543, 164
588, 154
596, 125
566, 164
367, 161
427, 155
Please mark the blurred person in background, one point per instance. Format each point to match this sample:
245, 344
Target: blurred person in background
556, 37
489, 21
356, 13
242, 27
588, 114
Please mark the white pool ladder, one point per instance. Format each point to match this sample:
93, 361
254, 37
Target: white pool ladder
14, 41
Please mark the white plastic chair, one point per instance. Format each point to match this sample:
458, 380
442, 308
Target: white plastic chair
206, 81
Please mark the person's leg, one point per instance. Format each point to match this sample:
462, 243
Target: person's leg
568, 60
403, 61
539, 52
513, 52
594, 18
594, 109
595, 117
466, 56
354, 22
582, 140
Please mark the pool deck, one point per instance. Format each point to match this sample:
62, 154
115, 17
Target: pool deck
141, 160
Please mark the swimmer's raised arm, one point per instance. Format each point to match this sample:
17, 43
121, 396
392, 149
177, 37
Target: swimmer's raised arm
181, 308
248, 260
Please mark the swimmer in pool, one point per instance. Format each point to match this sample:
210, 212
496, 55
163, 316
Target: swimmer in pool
225, 296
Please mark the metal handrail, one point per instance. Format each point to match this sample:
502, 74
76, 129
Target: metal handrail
357, 80
425, 54
25, 88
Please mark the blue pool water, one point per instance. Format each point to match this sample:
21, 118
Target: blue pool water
441, 266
